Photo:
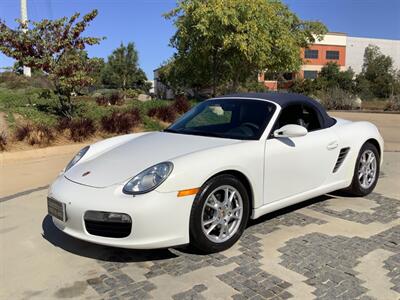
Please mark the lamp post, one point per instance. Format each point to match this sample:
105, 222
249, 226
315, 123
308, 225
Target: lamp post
24, 20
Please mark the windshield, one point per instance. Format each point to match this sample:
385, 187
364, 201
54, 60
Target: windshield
243, 119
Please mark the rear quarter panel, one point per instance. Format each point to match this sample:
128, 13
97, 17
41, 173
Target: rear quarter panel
354, 135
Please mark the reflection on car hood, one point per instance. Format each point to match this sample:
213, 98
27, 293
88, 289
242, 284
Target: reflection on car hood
137, 154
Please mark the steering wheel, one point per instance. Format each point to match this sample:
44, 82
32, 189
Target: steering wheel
251, 125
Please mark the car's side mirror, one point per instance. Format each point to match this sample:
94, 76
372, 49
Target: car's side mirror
290, 130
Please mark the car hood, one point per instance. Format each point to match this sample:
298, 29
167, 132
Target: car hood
126, 160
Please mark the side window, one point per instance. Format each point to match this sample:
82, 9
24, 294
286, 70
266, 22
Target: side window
289, 115
310, 119
299, 114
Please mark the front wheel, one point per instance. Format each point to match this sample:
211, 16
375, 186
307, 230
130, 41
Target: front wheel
366, 171
219, 214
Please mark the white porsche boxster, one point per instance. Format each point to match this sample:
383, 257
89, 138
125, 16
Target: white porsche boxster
199, 181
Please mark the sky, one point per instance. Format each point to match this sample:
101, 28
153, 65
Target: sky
141, 22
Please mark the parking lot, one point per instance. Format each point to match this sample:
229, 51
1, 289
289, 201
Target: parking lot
328, 247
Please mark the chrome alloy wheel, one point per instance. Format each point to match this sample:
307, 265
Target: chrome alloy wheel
367, 169
222, 214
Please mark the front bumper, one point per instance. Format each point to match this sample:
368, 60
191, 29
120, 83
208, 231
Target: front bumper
158, 219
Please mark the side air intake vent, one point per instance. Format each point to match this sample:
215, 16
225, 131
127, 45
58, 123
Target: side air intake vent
342, 155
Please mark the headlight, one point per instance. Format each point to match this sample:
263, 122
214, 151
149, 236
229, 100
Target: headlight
77, 158
149, 179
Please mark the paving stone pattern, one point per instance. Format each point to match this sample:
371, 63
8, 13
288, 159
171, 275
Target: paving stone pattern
327, 261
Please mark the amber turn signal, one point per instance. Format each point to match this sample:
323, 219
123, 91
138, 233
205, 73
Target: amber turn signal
189, 192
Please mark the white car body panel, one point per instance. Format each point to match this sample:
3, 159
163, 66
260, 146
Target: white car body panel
280, 172
137, 154
152, 226
297, 160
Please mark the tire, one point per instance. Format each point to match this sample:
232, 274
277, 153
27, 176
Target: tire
203, 217
357, 188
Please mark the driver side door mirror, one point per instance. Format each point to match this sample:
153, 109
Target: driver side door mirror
290, 131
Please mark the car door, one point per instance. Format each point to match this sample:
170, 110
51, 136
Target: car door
300, 164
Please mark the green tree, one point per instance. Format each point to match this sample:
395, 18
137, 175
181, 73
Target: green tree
55, 47
377, 74
226, 41
330, 76
122, 69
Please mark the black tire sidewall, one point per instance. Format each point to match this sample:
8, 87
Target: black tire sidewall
356, 187
197, 237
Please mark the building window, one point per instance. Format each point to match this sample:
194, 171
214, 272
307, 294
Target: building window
288, 76
332, 54
310, 74
308, 53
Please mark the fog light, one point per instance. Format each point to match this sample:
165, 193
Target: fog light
112, 217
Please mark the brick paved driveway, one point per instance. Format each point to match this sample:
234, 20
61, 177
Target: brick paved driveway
329, 247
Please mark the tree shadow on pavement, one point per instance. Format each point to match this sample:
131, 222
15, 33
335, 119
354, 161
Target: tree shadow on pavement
82, 248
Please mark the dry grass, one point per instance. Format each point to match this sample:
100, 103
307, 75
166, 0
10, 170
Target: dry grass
374, 104
23, 131
41, 135
3, 141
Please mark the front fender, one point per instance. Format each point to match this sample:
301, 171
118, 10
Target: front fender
193, 170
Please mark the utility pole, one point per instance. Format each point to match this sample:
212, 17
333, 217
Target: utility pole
24, 20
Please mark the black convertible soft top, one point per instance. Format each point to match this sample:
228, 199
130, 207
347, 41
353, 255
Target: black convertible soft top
286, 99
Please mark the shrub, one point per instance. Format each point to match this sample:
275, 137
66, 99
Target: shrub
41, 135
303, 86
135, 115
12, 80
45, 94
152, 112
393, 104
132, 93
63, 124
116, 98
121, 122
3, 141
181, 104
163, 113
102, 100
336, 98
81, 129
23, 131
253, 86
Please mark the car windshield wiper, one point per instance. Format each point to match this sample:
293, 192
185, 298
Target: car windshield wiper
171, 130
204, 133
194, 132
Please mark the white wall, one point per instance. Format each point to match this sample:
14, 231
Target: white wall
331, 38
356, 46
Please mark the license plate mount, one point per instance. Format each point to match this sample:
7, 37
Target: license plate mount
56, 209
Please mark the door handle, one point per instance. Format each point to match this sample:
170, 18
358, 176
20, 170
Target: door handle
332, 145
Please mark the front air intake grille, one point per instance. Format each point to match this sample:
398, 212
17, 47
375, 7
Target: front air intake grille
108, 229
342, 155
